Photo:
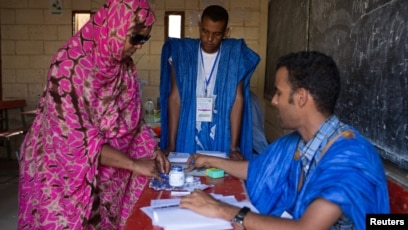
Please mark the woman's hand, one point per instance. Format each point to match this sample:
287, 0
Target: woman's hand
146, 167
166, 152
162, 162
152, 167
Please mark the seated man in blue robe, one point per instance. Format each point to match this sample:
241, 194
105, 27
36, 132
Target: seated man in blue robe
323, 175
204, 90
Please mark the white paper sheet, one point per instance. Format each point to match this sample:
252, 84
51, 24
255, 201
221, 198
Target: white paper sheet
167, 214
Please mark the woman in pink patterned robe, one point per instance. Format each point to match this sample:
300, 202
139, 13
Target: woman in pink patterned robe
89, 154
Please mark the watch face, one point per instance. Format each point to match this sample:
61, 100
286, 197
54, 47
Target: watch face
237, 226
238, 220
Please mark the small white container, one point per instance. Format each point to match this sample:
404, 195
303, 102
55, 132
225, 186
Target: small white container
176, 176
189, 179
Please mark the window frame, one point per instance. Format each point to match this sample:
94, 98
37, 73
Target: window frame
166, 23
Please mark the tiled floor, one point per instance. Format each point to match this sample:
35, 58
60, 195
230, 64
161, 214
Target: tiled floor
8, 194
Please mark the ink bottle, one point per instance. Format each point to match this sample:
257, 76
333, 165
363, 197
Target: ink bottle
176, 176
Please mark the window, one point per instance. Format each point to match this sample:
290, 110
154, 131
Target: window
79, 18
174, 24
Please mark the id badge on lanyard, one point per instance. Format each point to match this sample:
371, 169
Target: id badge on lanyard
204, 111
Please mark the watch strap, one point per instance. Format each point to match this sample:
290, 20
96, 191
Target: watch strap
239, 217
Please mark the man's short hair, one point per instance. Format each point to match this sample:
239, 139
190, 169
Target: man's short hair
216, 13
315, 72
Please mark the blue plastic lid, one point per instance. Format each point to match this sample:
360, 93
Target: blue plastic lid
177, 168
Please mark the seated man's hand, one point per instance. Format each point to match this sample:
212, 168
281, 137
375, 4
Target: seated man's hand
204, 204
199, 161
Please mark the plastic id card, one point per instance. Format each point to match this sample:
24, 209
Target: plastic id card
204, 111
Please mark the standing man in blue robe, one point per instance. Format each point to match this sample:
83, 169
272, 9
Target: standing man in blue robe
204, 90
323, 175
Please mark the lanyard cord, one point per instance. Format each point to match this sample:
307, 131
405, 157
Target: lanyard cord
207, 81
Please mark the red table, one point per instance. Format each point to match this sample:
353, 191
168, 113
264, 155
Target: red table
227, 185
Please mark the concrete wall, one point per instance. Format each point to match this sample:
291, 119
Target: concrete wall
30, 35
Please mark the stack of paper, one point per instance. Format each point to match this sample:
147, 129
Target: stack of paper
166, 213
180, 159
179, 219
213, 153
177, 157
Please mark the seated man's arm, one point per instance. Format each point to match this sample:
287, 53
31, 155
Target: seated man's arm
174, 113
321, 214
236, 120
